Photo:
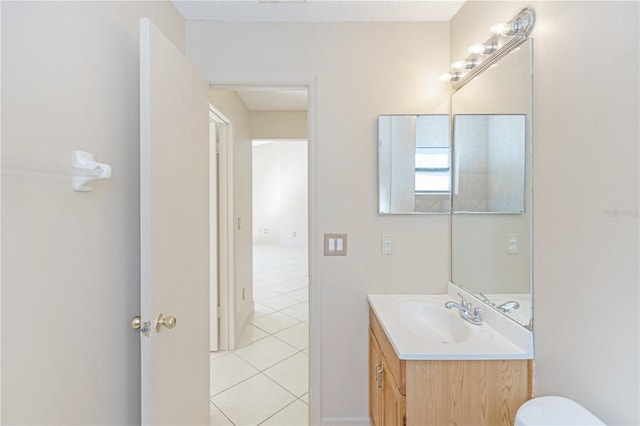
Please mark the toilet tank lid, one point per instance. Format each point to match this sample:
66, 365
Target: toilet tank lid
554, 410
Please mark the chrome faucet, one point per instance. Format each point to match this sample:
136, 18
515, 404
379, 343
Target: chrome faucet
508, 306
465, 310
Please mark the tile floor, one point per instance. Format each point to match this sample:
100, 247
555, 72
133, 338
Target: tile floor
265, 380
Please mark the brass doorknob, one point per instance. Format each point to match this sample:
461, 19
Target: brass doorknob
168, 322
136, 322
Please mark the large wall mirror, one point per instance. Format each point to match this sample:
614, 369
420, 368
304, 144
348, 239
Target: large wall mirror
414, 160
491, 225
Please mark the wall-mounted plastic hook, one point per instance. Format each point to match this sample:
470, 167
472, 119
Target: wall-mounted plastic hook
85, 160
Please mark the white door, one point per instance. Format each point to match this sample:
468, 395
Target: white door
174, 240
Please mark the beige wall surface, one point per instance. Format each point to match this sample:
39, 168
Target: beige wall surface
70, 260
278, 124
586, 190
361, 70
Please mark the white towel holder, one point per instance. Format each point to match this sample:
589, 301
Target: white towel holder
85, 160
84, 170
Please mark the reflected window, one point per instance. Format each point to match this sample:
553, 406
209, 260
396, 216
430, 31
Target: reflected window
432, 169
432, 162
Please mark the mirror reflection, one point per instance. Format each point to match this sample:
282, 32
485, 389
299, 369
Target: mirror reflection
491, 252
489, 163
414, 173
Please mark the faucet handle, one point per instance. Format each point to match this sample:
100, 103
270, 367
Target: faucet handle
464, 301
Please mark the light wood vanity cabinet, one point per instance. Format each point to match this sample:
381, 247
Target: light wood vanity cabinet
385, 400
434, 392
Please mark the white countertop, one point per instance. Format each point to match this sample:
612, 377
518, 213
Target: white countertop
414, 338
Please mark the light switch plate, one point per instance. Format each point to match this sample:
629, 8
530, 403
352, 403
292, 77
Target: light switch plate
335, 244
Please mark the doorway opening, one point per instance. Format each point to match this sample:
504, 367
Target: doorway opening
260, 375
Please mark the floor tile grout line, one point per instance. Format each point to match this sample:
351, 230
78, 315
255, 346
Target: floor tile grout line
262, 371
275, 332
276, 337
236, 384
249, 362
283, 313
279, 411
255, 375
283, 360
300, 399
258, 370
291, 393
222, 412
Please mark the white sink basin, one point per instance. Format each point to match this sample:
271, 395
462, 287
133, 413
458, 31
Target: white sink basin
420, 327
432, 321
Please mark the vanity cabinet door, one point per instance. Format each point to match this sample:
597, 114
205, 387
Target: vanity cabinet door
386, 403
375, 389
393, 408
466, 392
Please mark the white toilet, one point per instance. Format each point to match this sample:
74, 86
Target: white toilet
554, 411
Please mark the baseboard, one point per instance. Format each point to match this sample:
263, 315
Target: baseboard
339, 421
242, 325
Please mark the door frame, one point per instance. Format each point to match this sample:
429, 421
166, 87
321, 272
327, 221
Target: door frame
225, 247
235, 80
221, 208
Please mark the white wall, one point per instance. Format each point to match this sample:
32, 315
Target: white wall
294, 227
70, 261
266, 193
586, 190
280, 202
280, 176
230, 104
361, 70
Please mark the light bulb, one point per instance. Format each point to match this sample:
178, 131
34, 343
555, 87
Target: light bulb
486, 48
478, 49
452, 76
467, 64
500, 29
459, 65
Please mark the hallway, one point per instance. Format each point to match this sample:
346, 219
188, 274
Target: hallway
265, 380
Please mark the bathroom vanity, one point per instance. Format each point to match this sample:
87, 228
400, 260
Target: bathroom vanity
450, 373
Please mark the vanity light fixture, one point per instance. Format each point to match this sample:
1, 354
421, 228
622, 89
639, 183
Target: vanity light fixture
507, 37
469, 63
521, 24
486, 48
451, 76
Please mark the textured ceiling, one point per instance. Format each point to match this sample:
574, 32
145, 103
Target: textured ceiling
318, 10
